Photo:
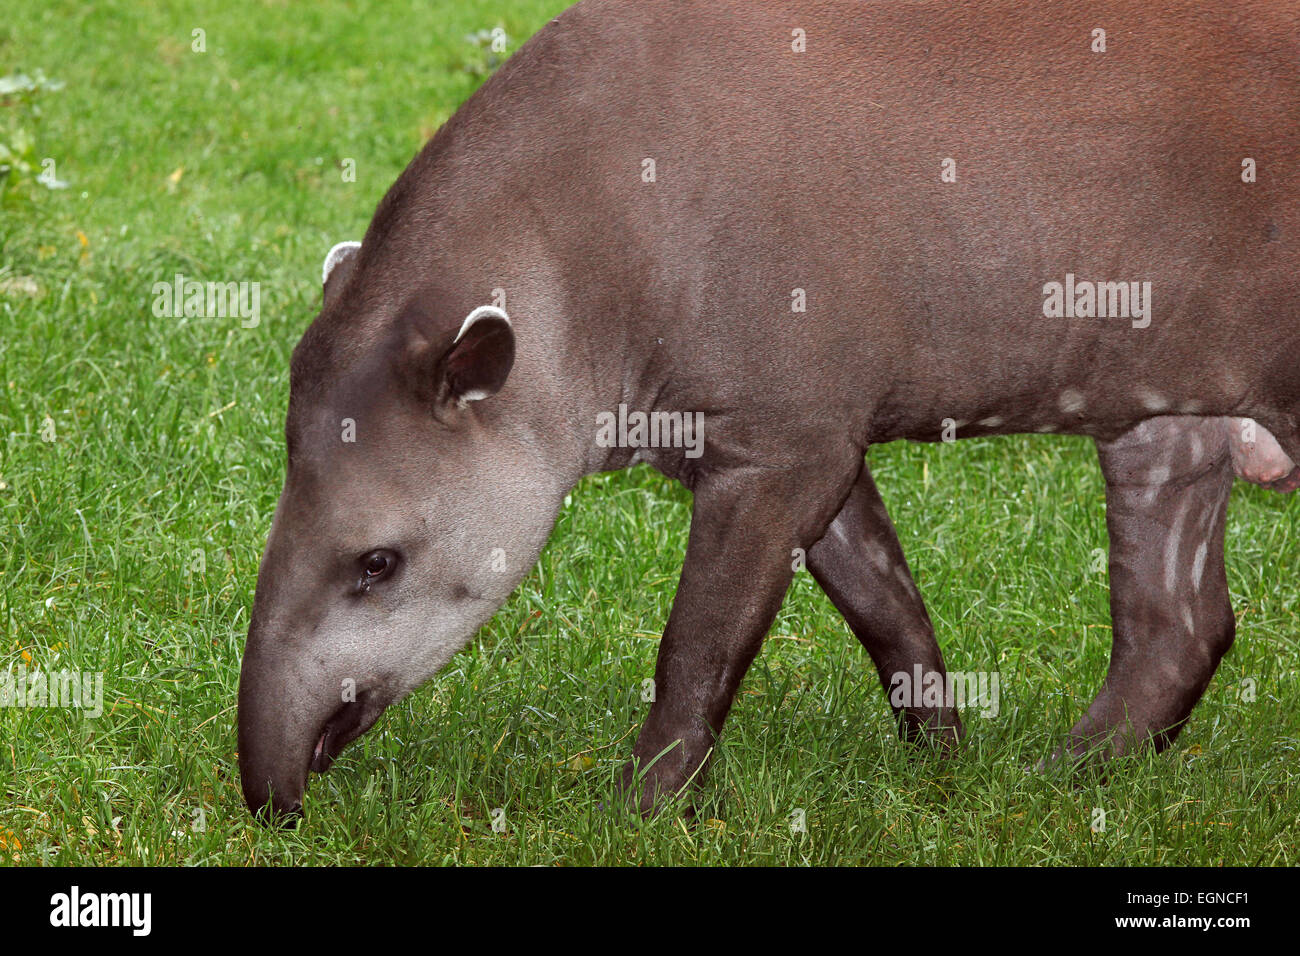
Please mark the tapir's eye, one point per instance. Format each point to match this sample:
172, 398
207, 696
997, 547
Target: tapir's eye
377, 564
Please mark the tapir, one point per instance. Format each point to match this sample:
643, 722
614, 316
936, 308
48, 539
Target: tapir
810, 228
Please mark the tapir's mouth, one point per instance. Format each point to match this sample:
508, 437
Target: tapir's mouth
343, 726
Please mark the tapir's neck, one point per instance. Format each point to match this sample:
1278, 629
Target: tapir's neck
480, 212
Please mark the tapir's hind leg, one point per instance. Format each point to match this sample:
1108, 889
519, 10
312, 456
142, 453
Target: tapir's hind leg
1167, 486
860, 565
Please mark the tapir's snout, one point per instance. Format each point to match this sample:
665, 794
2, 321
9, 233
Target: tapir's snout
274, 750
290, 723
275, 756
272, 783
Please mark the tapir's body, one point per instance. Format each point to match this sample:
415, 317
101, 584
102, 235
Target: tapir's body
686, 213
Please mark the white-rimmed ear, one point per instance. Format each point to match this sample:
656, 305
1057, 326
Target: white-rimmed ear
480, 357
338, 264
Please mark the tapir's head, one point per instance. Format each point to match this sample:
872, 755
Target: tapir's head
414, 502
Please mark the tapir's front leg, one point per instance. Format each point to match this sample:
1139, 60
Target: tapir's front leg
744, 527
860, 565
1167, 486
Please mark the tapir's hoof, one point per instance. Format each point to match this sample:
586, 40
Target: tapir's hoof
1061, 761
940, 733
1071, 769
654, 792
283, 819
1089, 754
946, 740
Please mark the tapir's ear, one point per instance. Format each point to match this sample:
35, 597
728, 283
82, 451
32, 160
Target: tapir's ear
480, 357
338, 266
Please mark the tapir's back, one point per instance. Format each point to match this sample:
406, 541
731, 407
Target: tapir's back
923, 171
888, 190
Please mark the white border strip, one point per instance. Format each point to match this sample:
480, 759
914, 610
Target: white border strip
477, 314
334, 257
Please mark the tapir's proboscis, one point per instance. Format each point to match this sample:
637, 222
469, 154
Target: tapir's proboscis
811, 227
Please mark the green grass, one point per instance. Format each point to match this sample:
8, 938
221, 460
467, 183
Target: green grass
225, 165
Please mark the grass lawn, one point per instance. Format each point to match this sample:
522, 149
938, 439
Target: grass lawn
131, 540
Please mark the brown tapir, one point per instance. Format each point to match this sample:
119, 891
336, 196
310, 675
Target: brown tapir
812, 227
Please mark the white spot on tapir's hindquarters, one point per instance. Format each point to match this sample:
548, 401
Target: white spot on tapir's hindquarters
1171, 551
1156, 479
1198, 566
905, 579
337, 254
1153, 401
1070, 401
